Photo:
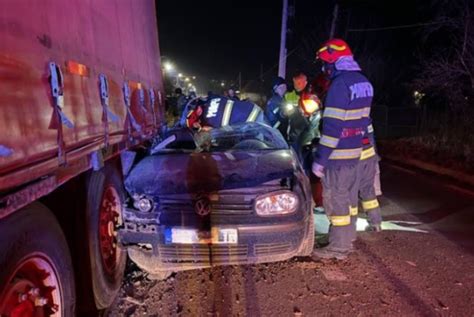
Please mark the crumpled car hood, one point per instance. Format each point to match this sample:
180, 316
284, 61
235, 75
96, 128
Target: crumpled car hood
208, 172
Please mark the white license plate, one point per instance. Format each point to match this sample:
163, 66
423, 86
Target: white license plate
192, 236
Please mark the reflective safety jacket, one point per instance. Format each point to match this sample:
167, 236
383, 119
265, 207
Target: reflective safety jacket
292, 97
368, 143
221, 111
345, 119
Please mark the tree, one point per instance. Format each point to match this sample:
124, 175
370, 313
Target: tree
448, 74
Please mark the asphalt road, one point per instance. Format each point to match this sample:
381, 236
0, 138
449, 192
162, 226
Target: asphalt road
422, 264
440, 205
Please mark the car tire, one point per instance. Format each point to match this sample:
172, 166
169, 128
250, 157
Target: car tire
308, 244
103, 261
33, 246
160, 276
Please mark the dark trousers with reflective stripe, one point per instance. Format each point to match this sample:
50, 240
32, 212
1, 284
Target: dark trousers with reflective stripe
365, 191
338, 184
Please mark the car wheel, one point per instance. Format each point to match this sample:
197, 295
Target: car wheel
103, 256
36, 275
308, 244
160, 276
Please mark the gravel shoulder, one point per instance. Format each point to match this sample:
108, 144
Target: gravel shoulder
391, 273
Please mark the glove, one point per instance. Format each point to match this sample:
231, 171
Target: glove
318, 170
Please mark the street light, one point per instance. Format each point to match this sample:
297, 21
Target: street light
180, 75
187, 79
169, 67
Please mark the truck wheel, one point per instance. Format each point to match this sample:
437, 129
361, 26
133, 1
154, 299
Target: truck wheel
104, 257
308, 244
36, 275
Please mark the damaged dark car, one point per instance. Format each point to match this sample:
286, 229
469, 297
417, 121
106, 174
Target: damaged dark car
233, 195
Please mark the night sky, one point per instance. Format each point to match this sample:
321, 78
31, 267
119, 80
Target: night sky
217, 39
220, 38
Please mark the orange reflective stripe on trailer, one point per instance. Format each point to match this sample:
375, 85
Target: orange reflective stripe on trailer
77, 68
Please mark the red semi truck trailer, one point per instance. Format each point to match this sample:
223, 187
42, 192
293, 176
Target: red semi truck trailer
81, 88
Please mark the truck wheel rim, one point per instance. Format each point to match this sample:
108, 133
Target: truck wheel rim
33, 289
110, 212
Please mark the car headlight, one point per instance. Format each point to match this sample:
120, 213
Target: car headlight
280, 203
142, 203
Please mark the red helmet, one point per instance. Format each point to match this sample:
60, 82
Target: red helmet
332, 50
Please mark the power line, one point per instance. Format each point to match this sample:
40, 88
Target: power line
395, 27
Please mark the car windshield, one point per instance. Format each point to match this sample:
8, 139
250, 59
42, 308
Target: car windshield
248, 136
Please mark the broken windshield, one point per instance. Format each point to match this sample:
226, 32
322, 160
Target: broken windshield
248, 136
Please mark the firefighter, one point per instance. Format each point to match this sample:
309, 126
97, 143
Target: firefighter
366, 190
344, 121
274, 109
222, 111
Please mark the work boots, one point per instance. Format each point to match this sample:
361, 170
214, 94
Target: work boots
374, 228
330, 253
339, 246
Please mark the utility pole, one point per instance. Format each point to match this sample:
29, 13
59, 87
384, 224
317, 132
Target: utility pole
282, 60
334, 21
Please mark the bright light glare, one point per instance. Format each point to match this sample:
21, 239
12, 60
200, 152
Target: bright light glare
289, 109
143, 204
169, 67
222, 84
310, 105
180, 75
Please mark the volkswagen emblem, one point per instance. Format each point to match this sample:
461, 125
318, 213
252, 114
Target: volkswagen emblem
202, 206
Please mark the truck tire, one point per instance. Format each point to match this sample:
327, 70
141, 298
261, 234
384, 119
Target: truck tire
103, 257
35, 265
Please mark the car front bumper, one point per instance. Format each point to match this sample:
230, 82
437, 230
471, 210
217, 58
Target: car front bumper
150, 249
